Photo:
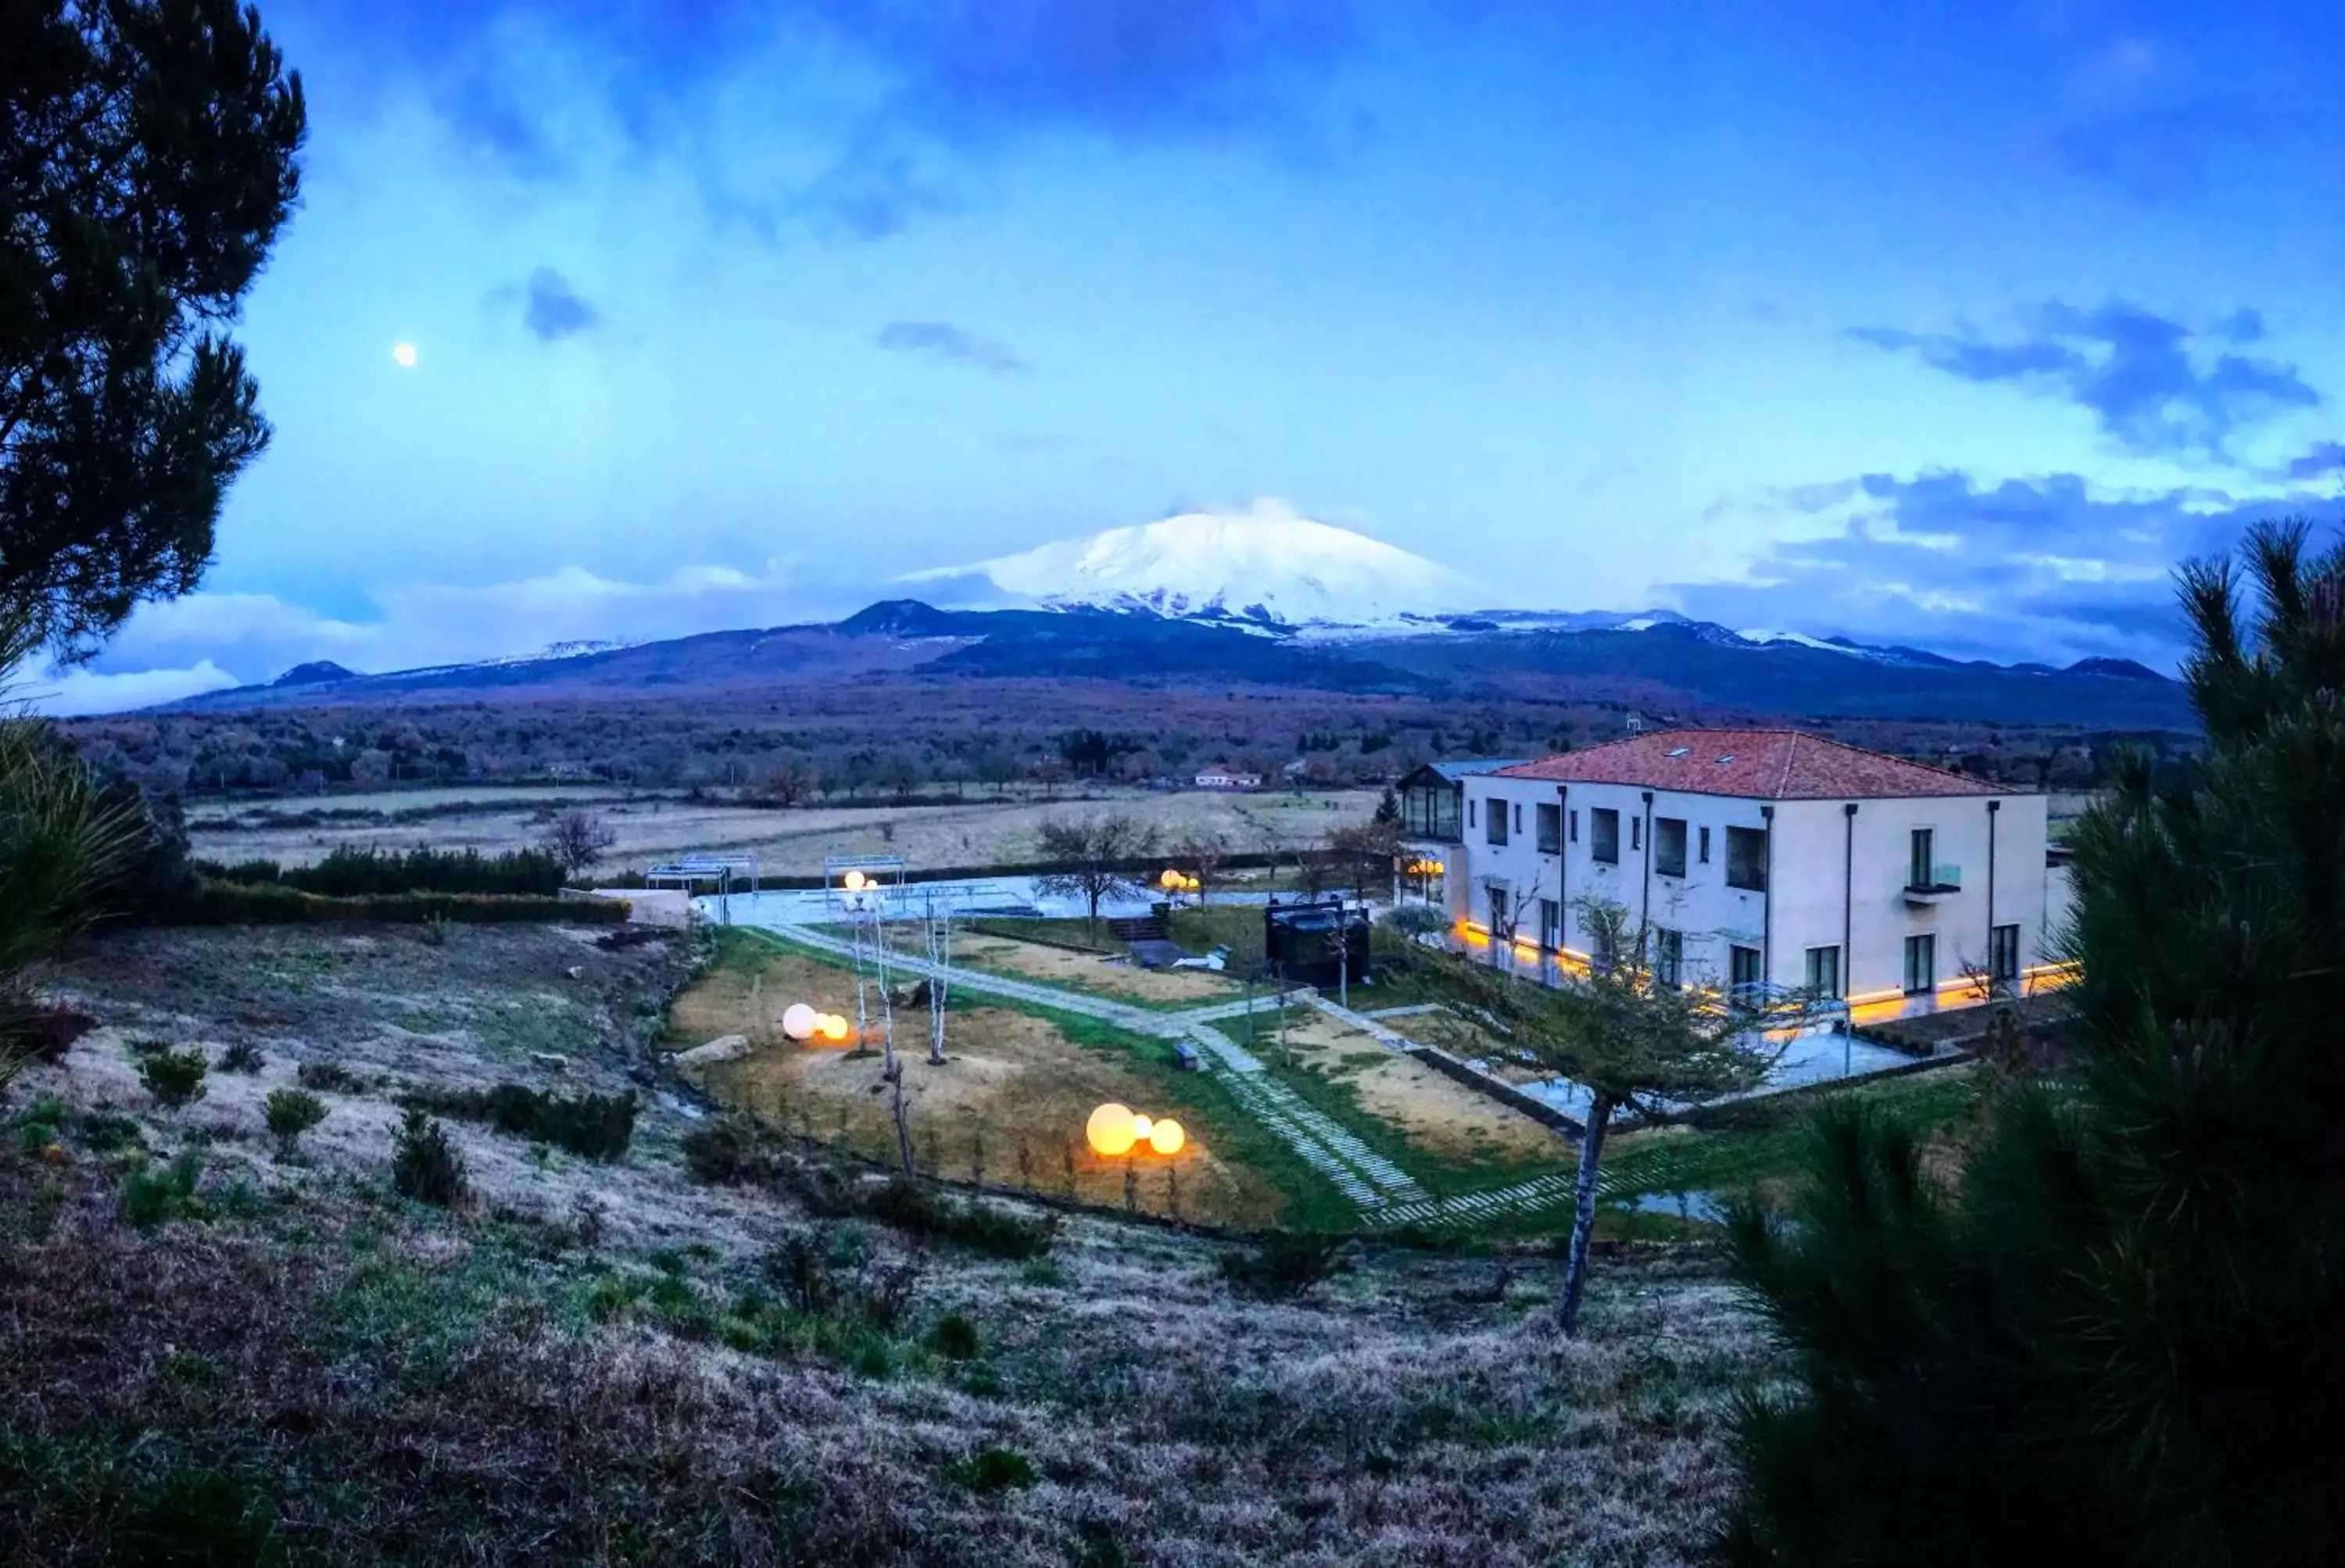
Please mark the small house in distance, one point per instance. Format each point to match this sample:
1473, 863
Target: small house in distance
1218, 776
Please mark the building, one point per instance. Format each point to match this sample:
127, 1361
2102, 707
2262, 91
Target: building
1220, 777
1432, 819
1773, 860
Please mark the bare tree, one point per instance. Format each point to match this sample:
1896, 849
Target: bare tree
1364, 851
1094, 856
578, 838
1201, 851
938, 927
1625, 1037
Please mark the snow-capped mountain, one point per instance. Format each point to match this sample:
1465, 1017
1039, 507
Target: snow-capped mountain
1264, 567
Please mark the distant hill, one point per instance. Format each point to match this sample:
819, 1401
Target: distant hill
1656, 659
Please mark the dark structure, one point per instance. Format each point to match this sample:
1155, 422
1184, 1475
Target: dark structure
1316, 943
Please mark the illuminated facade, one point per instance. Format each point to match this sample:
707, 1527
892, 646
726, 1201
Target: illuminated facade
1770, 860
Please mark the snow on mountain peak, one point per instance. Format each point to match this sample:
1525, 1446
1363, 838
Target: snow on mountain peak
1265, 565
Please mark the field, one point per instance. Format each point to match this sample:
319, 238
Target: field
599, 1362
653, 826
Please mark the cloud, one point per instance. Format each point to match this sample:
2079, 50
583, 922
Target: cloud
2132, 370
72, 692
943, 340
554, 311
2047, 568
225, 640
2323, 457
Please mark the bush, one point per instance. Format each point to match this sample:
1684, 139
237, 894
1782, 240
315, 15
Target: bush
106, 1131
908, 1205
425, 1166
993, 1469
723, 1154
243, 1057
239, 903
331, 1077
596, 1126
175, 1078
1284, 1263
51, 1032
955, 1338
290, 1114
831, 1274
155, 1196
354, 872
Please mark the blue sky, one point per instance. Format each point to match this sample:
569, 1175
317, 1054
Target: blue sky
1953, 324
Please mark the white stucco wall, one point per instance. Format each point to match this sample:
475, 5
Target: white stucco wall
1816, 892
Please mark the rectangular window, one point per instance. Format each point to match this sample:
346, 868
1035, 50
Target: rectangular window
2002, 954
1920, 964
1668, 957
1920, 863
1636, 832
1742, 969
1669, 845
1550, 924
1705, 846
1501, 915
1548, 828
1746, 859
1497, 822
1575, 827
1518, 816
1824, 972
1472, 806
1604, 834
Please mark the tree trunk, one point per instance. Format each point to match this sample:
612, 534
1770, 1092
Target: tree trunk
1583, 1211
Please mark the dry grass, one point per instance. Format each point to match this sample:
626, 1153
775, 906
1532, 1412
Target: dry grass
1089, 972
973, 832
1441, 1118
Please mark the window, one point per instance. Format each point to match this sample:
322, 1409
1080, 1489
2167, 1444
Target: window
1705, 846
1549, 828
1742, 969
1472, 806
1669, 845
1668, 957
1518, 816
2002, 954
1921, 869
1920, 964
1501, 915
1575, 827
1824, 972
1604, 834
1636, 832
1550, 924
1496, 818
1746, 859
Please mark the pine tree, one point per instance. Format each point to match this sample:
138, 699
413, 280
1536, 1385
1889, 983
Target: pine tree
2120, 1339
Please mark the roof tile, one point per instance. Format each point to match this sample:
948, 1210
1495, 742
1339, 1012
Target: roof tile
1755, 764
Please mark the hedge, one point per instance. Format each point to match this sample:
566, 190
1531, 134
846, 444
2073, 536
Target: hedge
261, 904
353, 872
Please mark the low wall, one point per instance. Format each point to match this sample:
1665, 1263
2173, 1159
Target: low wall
1531, 1106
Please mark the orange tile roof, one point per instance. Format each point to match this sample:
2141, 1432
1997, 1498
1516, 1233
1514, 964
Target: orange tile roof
1755, 764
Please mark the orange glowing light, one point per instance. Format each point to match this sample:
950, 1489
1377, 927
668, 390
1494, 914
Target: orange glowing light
1141, 1127
1111, 1130
1166, 1137
834, 1027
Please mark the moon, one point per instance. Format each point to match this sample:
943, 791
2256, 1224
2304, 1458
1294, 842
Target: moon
403, 354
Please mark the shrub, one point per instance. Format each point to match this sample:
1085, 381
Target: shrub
596, 1126
51, 1032
331, 1077
722, 1153
156, 1194
351, 871
260, 903
175, 1078
831, 1274
993, 1469
105, 1131
955, 1338
908, 1205
425, 1166
1284, 1263
243, 1057
290, 1114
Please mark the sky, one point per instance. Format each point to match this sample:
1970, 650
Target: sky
1948, 324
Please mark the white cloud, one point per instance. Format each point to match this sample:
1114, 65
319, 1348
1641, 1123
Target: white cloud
72, 692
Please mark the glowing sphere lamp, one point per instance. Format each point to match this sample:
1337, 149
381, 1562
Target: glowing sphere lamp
1111, 1130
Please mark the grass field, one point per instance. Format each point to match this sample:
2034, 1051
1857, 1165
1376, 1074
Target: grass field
974, 832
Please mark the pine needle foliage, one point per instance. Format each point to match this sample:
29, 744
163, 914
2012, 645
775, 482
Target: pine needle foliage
2118, 1337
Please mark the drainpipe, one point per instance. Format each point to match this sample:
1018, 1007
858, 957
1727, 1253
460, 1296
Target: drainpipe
1767, 906
1848, 899
1992, 807
1645, 915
